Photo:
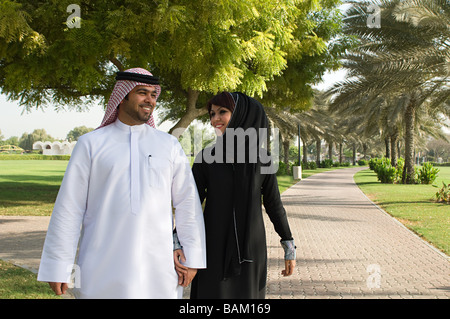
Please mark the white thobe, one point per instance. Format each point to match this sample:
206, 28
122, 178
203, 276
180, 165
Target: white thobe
124, 252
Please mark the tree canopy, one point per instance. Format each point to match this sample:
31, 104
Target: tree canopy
52, 56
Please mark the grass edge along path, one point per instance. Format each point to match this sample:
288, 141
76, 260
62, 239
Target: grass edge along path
412, 205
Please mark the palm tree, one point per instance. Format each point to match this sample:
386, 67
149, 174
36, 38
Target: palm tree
315, 124
407, 57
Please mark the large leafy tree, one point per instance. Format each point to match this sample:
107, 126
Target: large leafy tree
76, 132
317, 48
28, 139
291, 100
196, 47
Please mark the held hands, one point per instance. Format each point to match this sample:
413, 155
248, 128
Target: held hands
185, 274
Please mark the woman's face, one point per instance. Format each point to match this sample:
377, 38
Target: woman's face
219, 117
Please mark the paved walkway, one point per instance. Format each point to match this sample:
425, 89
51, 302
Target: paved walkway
349, 248
346, 246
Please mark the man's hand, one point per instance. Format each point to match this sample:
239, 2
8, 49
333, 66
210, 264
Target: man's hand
59, 288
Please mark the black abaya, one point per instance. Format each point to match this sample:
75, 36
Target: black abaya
235, 234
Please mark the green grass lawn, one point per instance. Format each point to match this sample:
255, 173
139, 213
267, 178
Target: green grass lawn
412, 205
29, 187
19, 283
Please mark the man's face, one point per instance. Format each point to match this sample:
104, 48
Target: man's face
139, 106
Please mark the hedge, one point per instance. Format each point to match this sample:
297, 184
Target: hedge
440, 164
34, 157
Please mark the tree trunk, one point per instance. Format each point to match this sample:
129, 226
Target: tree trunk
305, 153
354, 154
191, 114
286, 151
408, 171
388, 146
330, 150
318, 149
340, 153
394, 155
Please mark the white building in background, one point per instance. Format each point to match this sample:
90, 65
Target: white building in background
55, 148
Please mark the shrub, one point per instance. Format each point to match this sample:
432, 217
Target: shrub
443, 195
440, 164
399, 171
427, 173
363, 162
283, 169
372, 163
327, 163
312, 165
386, 173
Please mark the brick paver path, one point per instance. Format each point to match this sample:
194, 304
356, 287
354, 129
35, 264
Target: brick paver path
349, 248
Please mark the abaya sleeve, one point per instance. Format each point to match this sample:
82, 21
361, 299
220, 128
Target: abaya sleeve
274, 206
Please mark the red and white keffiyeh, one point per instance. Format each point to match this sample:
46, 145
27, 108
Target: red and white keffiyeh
121, 89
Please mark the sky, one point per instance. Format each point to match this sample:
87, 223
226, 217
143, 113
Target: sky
15, 122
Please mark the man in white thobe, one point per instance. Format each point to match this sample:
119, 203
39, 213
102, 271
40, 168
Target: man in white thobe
115, 204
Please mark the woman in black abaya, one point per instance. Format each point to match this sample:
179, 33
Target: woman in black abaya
233, 186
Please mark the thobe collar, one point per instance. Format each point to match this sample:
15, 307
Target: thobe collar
128, 128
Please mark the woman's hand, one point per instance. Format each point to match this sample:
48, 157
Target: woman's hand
187, 279
179, 267
289, 268
185, 274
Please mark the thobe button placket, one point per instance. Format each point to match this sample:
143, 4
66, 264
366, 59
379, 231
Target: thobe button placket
134, 172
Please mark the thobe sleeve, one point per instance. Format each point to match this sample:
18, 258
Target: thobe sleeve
63, 233
274, 206
188, 212
200, 180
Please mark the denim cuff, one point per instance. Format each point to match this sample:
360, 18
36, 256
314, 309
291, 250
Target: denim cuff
176, 242
289, 249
